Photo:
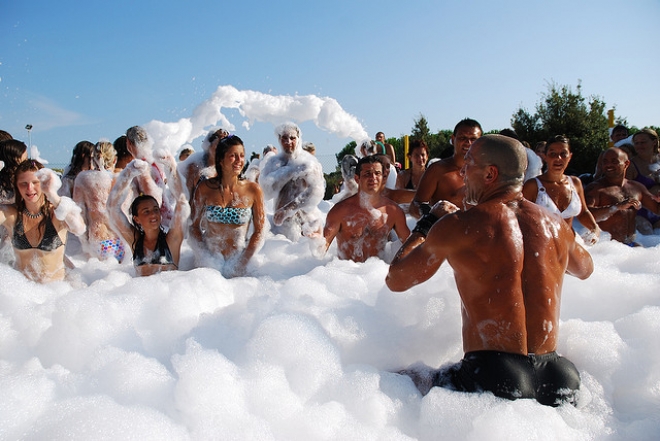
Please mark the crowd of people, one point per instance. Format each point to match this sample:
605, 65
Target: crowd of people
503, 223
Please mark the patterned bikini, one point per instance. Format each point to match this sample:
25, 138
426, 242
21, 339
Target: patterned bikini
228, 215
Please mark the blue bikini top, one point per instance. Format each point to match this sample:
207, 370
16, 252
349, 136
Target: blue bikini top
228, 215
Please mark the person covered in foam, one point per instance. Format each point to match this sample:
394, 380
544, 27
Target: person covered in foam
362, 223
90, 191
224, 207
140, 145
294, 180
38, 222
201, 165
154, 247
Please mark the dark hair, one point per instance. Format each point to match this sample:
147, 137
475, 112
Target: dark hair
223, 147
138, 231
510, 133
30, 166
557, 138
120, 148
418, 144
5, 135
620, 127
372, 159
11, 151
469, 123
81, 151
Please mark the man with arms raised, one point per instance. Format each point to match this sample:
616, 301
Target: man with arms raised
614, 200
362, 223
509, 257
442, 180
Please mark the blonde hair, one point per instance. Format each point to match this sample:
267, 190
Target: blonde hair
104, 155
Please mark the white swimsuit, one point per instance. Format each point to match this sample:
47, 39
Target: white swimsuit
544, 200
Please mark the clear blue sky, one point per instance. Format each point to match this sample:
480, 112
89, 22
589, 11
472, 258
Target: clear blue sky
89, 70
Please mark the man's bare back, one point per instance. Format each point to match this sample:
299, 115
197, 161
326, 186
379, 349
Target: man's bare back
509, 258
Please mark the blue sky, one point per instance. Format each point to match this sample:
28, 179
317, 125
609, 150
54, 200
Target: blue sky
89, 70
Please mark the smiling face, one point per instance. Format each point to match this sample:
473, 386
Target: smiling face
147, 214
464, 138
29, 187
614, 163
419, 157
233, 160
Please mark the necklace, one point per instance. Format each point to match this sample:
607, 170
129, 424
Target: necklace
32, 215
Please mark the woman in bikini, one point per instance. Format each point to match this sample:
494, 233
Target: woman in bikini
223, 207
559, 193
90, 191
38, 222
418, 156
154, 249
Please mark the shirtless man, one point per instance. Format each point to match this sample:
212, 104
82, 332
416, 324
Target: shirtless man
509, 258
389, 148
362, 223
614, 200
442, 180
401, 196
294, 179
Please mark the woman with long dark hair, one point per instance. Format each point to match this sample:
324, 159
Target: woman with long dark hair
559, 193
223, 208
12, 153
154, 249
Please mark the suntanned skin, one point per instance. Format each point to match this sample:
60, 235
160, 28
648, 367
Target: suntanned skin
614, 200
40, 265
362, 222
229, 191
557, 156
442, 180
509, 258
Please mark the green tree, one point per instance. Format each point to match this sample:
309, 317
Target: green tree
349, 149
564, 112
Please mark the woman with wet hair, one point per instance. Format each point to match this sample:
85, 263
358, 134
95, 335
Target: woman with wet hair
38, 222
80, 160
154, 248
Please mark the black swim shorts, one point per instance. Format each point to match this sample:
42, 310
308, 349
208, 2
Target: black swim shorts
549, 378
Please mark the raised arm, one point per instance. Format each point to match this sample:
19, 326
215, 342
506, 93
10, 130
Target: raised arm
118, 219
424, 250
424, 193
66, 211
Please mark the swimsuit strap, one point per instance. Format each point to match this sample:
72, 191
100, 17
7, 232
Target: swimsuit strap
49, 242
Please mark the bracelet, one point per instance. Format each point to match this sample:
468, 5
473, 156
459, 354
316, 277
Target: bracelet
424, 208
425, 223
